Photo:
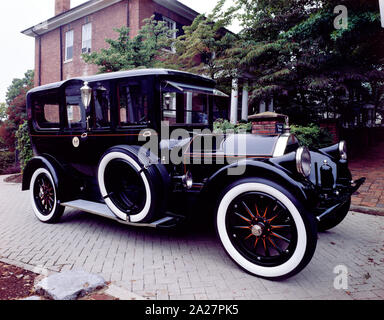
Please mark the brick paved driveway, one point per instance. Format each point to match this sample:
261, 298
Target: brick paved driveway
186, 265
370, 164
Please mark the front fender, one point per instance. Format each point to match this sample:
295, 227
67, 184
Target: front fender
262, 169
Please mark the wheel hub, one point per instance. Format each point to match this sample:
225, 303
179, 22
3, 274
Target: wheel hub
262, 229
258, 229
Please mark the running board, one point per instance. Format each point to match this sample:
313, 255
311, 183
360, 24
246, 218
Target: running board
102, 210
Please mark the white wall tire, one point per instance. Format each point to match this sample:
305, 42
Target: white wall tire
146, 210
46, 214
305, 241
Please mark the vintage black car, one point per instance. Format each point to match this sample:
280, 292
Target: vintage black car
138, 147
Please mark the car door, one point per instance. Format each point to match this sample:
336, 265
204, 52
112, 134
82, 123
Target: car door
76, 128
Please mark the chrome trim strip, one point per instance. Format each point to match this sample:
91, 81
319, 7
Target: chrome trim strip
343, 150
299, 155
281, 145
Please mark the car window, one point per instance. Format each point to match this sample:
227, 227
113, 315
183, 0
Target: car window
76, 113
184, 106
74, 116
169, 107
133, 105
102, 106
46, 111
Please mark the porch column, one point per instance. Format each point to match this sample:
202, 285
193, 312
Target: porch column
234, 100
271, 105
244, 109
262, 106
381, 5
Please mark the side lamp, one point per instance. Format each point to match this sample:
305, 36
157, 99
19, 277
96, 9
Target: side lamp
86, 95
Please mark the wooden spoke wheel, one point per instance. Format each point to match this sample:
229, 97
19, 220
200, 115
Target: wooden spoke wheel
264, 229
44, 200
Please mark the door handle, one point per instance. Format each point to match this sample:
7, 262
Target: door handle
87, 122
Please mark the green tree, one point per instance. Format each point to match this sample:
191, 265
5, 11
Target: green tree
16, 112
296, 56
126, 53
203, 45
18, 85
3, 111
24, 145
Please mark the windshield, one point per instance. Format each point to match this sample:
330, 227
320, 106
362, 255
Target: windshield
186, 104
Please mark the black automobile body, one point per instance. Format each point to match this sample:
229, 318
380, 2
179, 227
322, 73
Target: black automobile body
102, 146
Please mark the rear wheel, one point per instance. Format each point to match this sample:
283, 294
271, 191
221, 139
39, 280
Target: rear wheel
43, 194
264, 229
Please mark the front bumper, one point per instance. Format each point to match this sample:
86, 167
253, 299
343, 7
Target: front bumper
338, 199
355, 185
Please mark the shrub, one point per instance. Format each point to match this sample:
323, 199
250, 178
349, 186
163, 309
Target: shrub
312, 136
225, 125
24, 146
7, 160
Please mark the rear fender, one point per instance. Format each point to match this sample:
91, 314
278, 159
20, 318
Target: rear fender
64, 185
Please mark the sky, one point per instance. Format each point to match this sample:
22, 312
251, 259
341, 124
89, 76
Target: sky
18, 51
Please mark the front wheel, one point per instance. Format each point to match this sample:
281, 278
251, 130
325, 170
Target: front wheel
264, 229
45, 203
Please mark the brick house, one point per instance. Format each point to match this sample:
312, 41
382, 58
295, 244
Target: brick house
60, 41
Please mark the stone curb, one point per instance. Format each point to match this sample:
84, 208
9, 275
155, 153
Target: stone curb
368, 210
115, 292
69, 285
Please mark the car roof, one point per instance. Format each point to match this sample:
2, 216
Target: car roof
121, 75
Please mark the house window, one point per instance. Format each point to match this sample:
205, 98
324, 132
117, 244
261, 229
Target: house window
173, 28
87, 38
69, 45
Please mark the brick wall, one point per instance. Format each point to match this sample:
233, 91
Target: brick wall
103, 23
264, 127
333, 129
50, 57
143, 9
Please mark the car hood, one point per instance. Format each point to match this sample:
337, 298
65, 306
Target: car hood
249, 145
